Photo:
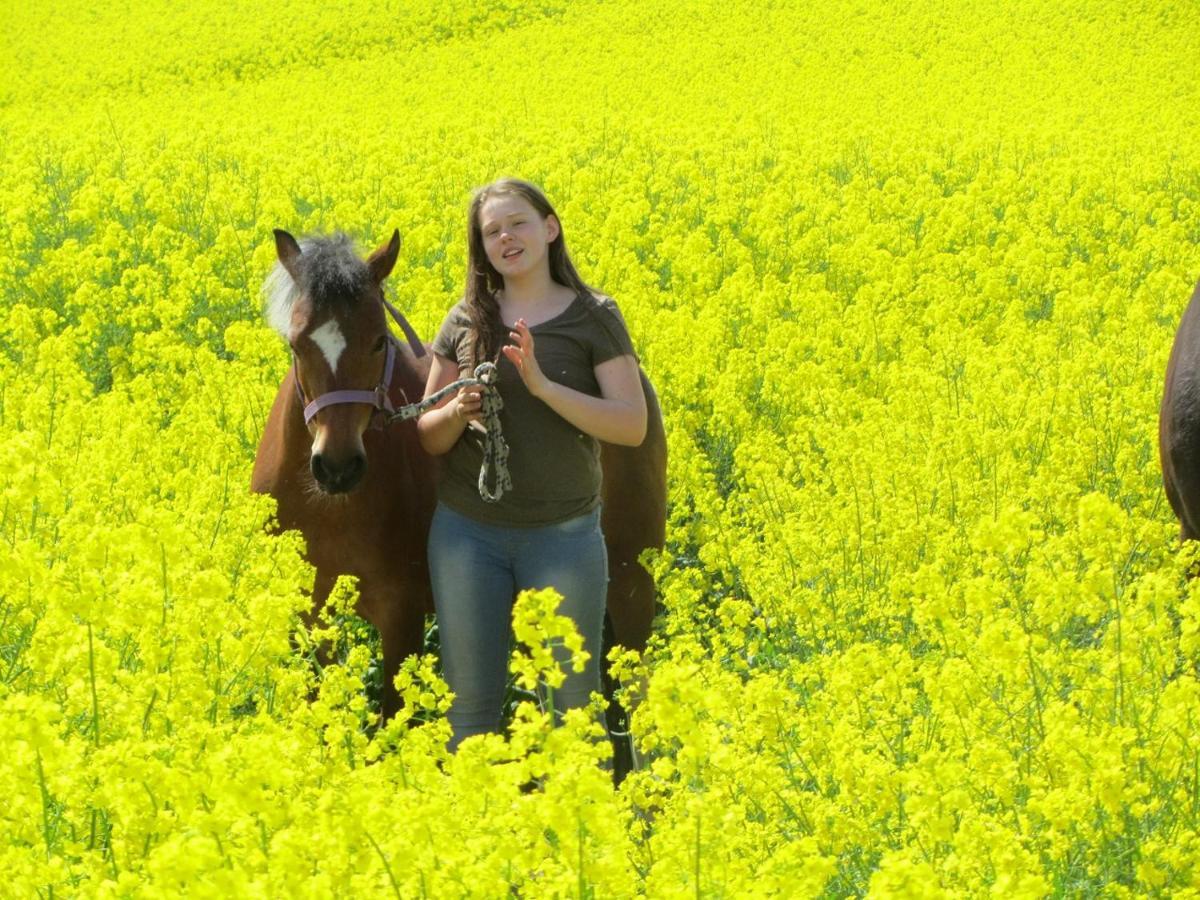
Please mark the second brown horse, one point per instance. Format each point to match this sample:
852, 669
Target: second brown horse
1179, 423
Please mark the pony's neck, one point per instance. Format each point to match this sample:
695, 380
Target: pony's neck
406, 376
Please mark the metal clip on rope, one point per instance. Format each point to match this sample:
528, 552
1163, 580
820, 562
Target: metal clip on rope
495, 448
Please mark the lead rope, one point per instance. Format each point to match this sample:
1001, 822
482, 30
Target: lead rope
495, 448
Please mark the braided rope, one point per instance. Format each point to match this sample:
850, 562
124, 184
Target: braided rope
495, 448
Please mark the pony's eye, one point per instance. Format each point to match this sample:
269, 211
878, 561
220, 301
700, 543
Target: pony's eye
380, 344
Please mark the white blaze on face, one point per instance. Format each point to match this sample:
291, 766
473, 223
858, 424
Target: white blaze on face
329, 338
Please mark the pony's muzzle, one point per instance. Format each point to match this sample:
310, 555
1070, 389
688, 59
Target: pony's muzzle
338, 477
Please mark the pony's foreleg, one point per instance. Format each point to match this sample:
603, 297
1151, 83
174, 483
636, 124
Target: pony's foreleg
402, 633
322, 653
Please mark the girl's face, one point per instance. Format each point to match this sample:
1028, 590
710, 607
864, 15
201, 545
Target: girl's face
515, 237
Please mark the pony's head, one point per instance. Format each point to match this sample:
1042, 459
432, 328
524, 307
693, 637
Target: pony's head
328, 304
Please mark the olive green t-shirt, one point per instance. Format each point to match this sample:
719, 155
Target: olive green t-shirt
555, 467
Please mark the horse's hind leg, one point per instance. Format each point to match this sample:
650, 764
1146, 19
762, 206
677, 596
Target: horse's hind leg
1188, 519
1183, 492
631, 602
631, 610
616, 718
1182, 484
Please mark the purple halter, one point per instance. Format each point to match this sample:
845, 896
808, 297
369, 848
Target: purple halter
377, 398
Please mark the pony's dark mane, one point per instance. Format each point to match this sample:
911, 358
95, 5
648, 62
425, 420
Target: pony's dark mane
330, 272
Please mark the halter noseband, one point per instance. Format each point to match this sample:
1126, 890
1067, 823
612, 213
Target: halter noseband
378, 398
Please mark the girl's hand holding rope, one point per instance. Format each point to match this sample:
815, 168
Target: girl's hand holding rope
494, 479
468, 404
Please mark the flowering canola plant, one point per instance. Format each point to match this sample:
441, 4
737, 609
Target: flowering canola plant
905, 279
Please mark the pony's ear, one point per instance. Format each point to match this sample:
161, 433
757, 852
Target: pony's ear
288, 252
381, 261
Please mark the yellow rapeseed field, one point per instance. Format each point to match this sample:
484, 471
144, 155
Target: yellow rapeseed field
905, 275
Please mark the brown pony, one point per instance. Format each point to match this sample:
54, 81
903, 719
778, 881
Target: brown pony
362, 491
371, 521
1179, 423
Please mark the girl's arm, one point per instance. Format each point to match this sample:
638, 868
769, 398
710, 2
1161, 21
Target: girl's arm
617, 416
439, 428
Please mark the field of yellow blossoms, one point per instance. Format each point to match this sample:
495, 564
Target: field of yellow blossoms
906, 277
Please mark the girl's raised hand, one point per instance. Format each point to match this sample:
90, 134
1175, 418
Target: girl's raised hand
520, 354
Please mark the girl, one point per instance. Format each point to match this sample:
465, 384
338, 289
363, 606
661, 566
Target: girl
568, 378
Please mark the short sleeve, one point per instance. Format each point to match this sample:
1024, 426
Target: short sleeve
453, 332
612, 338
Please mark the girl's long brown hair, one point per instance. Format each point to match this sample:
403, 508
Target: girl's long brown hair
487, 328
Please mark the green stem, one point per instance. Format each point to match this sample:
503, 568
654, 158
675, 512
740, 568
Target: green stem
95, 699
386, 866
45, 805
583, 892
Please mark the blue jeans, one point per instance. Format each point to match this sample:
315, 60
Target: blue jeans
477, 570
